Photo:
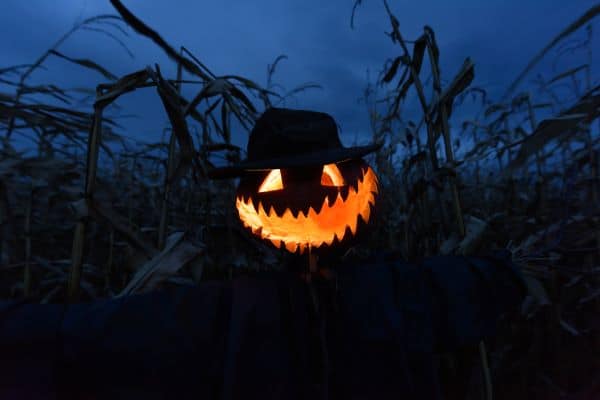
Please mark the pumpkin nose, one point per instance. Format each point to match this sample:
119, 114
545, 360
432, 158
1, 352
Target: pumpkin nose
304, 174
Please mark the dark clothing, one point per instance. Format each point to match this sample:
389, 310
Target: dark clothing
256, 337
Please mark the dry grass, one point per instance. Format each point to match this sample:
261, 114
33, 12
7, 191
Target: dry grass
84, 215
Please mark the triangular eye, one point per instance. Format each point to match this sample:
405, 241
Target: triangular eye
331, 176
271, 182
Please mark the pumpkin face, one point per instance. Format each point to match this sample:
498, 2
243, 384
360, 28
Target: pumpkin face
314, 207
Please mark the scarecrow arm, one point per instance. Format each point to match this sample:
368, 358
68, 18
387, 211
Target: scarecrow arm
470, 294
162, 343
441, 303
394, 315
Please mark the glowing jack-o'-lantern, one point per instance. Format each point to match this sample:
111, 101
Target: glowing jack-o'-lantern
312, 207
299, 187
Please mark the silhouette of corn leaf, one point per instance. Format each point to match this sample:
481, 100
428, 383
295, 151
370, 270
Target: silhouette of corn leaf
566, 74
590, 14
84, 62
391, 72
585, 110
177, 253
145, 30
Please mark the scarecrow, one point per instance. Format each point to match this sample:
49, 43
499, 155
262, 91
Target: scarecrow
354, 330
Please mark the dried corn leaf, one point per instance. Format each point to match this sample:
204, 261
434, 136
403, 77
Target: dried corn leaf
590, 14
391, 72
84, 62
585, 110
145, 30
536, 290
475, 229
568, 73
120, 226
177, 253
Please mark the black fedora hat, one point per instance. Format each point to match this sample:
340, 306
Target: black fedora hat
285, 138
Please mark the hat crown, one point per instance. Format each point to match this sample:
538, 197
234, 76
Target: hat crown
284, 138
283, 132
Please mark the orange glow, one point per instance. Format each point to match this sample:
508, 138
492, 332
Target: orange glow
331, 176
314, 229
272, 182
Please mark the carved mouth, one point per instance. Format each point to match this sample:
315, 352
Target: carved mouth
299, 230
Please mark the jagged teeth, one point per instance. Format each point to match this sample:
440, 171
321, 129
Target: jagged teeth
288, 213
365, 214
296, 213
254, 216
344, 192
324, 205
291, 247
354, 187
255, 202
260, 209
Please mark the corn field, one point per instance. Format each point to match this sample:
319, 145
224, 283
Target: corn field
86, 215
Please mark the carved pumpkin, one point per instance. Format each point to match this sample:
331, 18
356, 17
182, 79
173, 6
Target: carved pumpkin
314, 207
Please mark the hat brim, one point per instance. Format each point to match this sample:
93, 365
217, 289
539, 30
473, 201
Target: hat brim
303, 160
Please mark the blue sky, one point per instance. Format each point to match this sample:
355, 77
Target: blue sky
242, 37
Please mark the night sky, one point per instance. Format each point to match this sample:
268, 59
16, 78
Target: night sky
242, 37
